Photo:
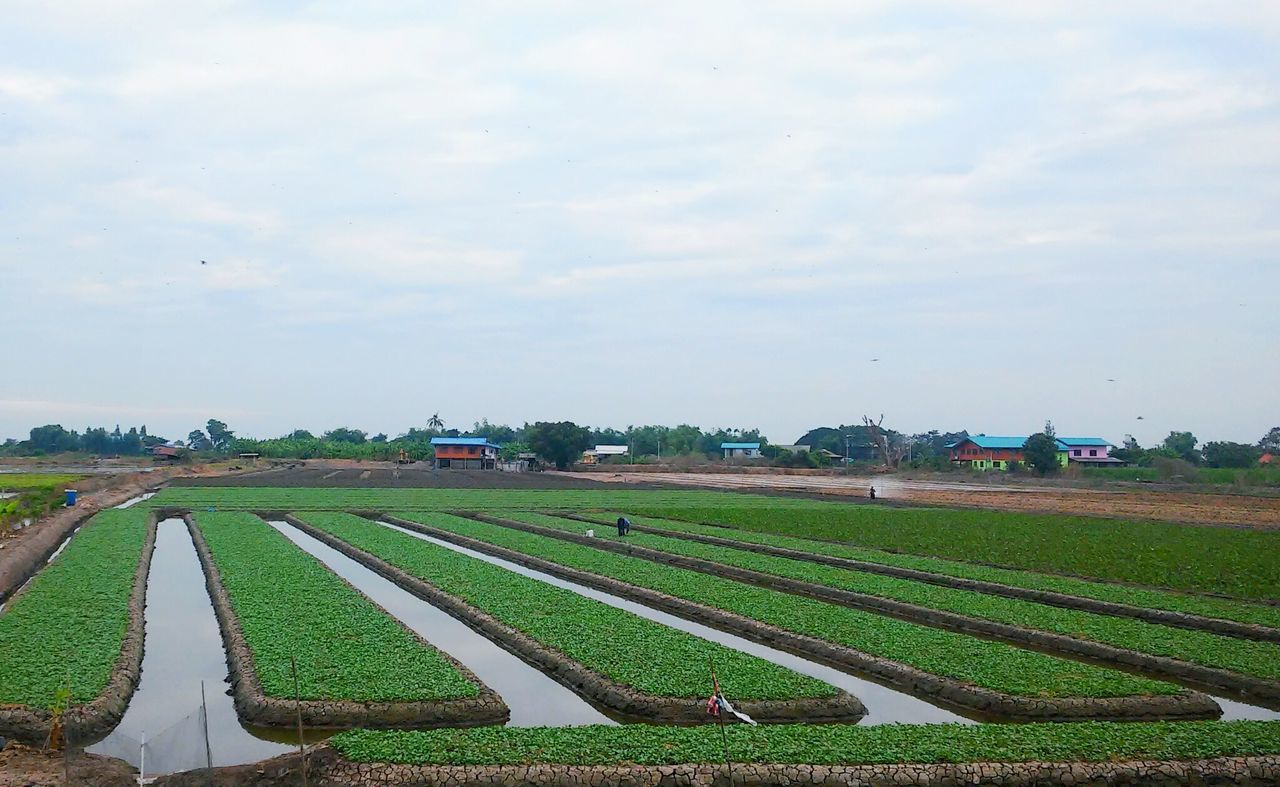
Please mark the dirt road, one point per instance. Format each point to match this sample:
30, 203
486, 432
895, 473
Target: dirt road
1195, 508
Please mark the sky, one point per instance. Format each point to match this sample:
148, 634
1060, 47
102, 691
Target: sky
972, 214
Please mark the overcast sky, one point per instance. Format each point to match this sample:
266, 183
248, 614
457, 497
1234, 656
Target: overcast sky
620, 213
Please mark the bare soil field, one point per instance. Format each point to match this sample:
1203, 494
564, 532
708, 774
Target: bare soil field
1188, 507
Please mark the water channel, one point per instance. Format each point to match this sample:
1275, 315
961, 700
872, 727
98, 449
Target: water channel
534, 698
884, 705
183, 648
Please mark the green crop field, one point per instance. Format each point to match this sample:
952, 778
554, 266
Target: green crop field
829, 744
984, 663
66, 629
336, 499
1228, 561
634, 651
1225, 609
289, 604
15, 482
1259, 659
1235, 562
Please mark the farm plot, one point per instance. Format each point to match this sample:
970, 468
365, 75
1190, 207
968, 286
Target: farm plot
833, 744
1203, 606
338, 499
29, 495
615, 657
355, 663
1257, 660
1228, 561
63, 639
916, 654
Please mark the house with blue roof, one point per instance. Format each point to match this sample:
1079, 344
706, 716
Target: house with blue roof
465, 453
986, 452
740, 450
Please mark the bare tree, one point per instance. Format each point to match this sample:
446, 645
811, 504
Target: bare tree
889, 451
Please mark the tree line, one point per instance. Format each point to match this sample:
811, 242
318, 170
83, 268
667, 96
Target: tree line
563, 442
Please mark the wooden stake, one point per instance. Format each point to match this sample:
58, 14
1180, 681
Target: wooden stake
297, 700
724, 736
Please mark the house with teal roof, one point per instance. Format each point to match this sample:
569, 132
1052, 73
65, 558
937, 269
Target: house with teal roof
987, 452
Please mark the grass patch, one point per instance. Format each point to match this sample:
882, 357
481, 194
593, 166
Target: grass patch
67, 627
648, 656
993, 665
17, 482
288, 603
828, 744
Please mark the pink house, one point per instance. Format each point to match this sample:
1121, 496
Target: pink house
1088, 451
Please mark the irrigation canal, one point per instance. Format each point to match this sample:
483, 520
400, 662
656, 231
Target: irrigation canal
533, 697
183, 648
884, 705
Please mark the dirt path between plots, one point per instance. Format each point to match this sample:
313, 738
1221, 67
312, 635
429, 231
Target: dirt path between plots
1189, 507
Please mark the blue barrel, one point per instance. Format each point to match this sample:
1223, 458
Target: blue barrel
71, 497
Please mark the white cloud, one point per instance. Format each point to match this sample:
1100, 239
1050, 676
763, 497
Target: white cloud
563, 162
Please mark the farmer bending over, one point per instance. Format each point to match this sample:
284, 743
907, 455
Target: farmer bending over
624, 525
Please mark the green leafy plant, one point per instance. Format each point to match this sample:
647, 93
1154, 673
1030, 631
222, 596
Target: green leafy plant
828, 744
632, 650
1259, 659
993, 665
1230, 561
65, 631
1226, 609
288, 604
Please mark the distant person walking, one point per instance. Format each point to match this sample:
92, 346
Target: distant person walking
624, 525
873, 493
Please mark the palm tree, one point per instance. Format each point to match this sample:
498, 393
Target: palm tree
435, 423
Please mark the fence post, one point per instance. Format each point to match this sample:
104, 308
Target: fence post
297, 705
204, 717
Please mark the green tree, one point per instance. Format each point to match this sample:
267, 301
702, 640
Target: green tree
1041, 452
1131, 452
197, 441
345, 434
52, 438
1270, 442
1227, 454
560, 442
299, 434
1182, 445
220, 436
435, 422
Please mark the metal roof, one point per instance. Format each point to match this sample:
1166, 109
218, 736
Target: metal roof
1085, 441
988, 441
744, 446
610, 450
463, 441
